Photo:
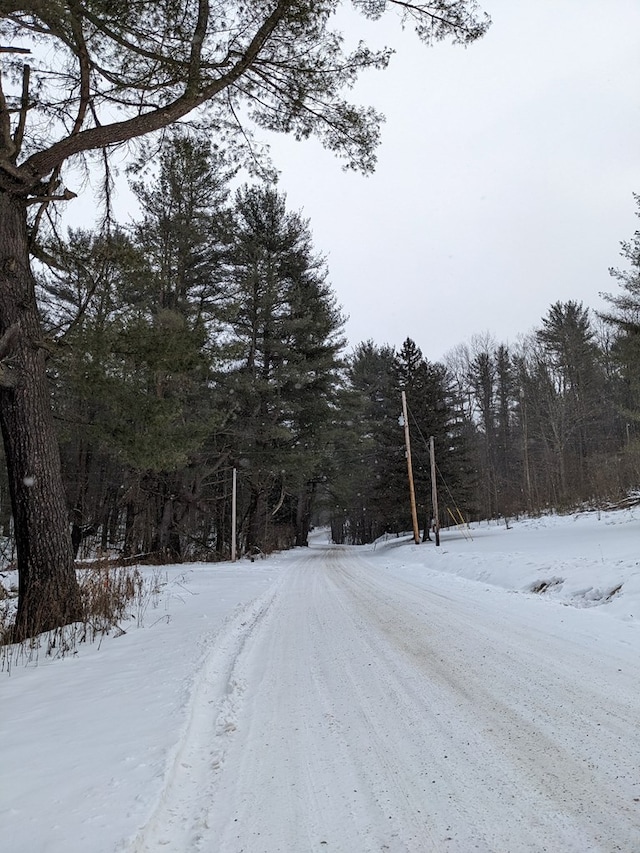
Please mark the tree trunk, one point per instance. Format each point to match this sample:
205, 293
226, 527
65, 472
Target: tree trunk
49, 595
303, 513
128, 547
257, 521
166, 539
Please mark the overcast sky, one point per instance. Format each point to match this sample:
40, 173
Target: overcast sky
505, 175
504, 181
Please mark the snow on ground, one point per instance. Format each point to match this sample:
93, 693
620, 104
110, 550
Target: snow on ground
585, 559
386, 698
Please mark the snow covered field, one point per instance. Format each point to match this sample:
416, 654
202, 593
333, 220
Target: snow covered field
388, 698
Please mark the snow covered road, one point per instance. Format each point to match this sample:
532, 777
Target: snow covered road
348, 708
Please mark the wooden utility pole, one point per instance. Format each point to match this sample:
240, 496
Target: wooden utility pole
434, 491
234, 491
412, 493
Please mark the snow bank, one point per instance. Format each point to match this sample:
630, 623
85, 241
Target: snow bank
583, 560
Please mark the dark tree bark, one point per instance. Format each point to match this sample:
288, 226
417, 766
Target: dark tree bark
49, 595
303, 513
166, 538
257, 522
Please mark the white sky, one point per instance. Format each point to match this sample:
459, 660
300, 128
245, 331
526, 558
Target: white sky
505, 175
504, 181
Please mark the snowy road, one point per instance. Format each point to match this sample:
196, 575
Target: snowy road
347, 709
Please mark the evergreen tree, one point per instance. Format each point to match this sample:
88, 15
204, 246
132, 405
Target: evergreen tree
286, 333
574, 383
371, 495
84, 308
624, 319
135, 372
184, 229
433, 412
507, 487
482, 378
174, 323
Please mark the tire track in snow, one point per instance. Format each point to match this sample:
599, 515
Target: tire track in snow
309, 772
536, 729
385, 717
180, 815
349, 711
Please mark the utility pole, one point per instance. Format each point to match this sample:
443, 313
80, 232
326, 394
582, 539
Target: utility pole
434, 490
412, 493
234, 491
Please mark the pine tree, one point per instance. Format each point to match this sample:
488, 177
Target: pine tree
508, 497
83, 310
624, 319
176, 318
286, 333
368, 449
432, 412
574, 384
135, 371
370, 491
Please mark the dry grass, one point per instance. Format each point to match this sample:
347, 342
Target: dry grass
113, 597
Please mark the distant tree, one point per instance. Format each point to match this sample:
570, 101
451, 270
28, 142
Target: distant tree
432, 412
482, 379
371, 492
486, 382
508, 491
568, 339
624, 318
412, 377
626, 305
574, 382
369, 488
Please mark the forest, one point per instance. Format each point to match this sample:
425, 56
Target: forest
148, 369
173, 360
205, 337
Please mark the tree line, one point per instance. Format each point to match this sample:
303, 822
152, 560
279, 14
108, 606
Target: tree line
204, 337
549, 423
80, 80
